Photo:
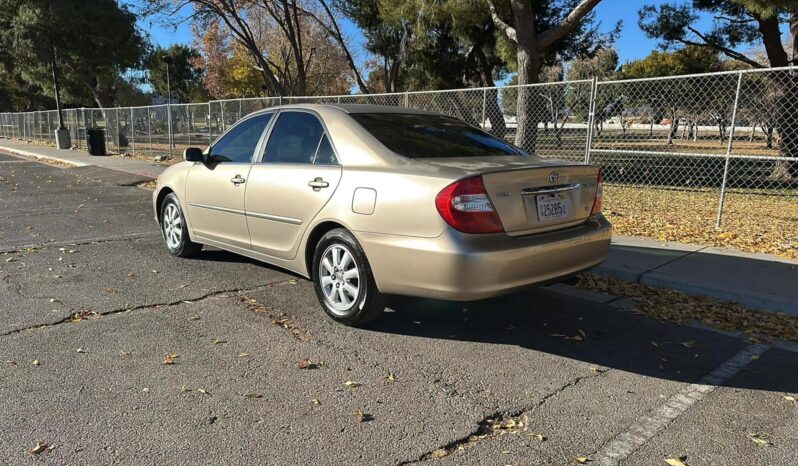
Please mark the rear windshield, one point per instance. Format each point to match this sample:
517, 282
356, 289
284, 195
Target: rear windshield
432, 136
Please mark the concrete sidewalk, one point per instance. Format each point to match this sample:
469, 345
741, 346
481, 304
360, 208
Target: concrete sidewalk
80, 158
759, 281
756, 280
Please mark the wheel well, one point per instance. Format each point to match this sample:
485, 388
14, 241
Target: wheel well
159, 202
315, 236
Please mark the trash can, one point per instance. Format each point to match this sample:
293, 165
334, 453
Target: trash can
95, 141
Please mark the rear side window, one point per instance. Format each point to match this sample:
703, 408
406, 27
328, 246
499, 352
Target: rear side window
294, 139
431, 136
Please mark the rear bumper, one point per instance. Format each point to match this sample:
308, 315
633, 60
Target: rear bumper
462, 267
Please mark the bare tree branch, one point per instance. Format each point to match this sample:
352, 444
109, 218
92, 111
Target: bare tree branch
508, 30
547, 38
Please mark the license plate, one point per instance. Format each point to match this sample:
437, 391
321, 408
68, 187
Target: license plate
552, 207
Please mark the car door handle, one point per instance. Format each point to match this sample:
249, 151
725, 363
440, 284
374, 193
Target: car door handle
318, 183
237, 180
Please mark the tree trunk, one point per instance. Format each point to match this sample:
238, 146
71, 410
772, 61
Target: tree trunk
787, 114
674, 127
493, 111
529, 64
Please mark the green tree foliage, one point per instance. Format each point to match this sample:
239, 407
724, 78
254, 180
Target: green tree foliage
737, 22
185, 79
94, 42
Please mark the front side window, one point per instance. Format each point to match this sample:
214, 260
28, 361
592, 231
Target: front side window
239, 143
294, 139
432, 136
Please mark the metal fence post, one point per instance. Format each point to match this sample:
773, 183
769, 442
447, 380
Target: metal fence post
407, 99
591, 117
484, 103
132, 129
149, 129
118, 140
728, 150
210, 127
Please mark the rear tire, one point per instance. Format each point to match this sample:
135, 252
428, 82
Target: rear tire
174, 229
343, 280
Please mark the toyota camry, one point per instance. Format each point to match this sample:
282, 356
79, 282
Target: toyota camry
371, 201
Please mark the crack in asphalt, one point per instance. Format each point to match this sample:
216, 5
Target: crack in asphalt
486, 426
78, 242
210, 295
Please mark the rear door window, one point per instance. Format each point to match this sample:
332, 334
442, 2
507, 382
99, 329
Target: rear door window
294, 139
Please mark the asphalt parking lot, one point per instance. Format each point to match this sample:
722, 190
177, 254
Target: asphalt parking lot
112, 351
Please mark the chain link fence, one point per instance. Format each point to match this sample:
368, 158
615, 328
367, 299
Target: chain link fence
727, 143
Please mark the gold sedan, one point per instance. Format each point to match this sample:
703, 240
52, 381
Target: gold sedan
370, 201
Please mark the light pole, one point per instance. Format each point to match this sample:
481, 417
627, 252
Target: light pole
168, 60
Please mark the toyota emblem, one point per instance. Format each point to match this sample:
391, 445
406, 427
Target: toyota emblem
553, 177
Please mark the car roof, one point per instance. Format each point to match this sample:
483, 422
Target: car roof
359, 108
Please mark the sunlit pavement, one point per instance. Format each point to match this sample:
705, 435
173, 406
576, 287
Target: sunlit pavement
114, 351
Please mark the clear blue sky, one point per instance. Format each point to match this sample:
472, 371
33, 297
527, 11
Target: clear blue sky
631, 44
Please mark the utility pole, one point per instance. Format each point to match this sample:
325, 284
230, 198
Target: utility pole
62, 139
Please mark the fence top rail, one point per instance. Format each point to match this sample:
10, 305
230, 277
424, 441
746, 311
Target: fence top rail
701, 75
442, 91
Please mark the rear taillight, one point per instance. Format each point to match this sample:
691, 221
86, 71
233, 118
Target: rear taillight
465, 206
597, 201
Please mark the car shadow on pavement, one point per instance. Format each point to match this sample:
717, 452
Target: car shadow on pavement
603, 336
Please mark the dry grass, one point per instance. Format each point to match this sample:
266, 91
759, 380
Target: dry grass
751, 222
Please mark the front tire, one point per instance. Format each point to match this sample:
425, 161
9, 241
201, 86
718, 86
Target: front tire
343, 280
175, 230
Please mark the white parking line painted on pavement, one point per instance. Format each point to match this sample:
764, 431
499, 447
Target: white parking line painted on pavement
620, 447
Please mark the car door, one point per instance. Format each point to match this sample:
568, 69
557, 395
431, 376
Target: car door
296, 175
215, 188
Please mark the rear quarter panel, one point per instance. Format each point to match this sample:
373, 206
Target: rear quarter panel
404, 205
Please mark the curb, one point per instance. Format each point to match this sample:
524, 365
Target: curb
33, 155
652, 278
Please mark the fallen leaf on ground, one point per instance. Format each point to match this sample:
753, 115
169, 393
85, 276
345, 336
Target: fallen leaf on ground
351, 384
675, 306
253, 395
360, 416
170, 359
315, 401
306, 363
391, 377
41, 447
439, 453
789, 398
203, 391
82, 315
81, 350
219, 342
680, 461
688, 344
36, 362
761, 441
538, 437
581, 459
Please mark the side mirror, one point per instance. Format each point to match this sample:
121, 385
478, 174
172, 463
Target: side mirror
193, 154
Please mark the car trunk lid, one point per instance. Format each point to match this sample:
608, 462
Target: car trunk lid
532, 195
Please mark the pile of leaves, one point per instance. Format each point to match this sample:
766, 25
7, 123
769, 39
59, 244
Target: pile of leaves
675, 306
751, 222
